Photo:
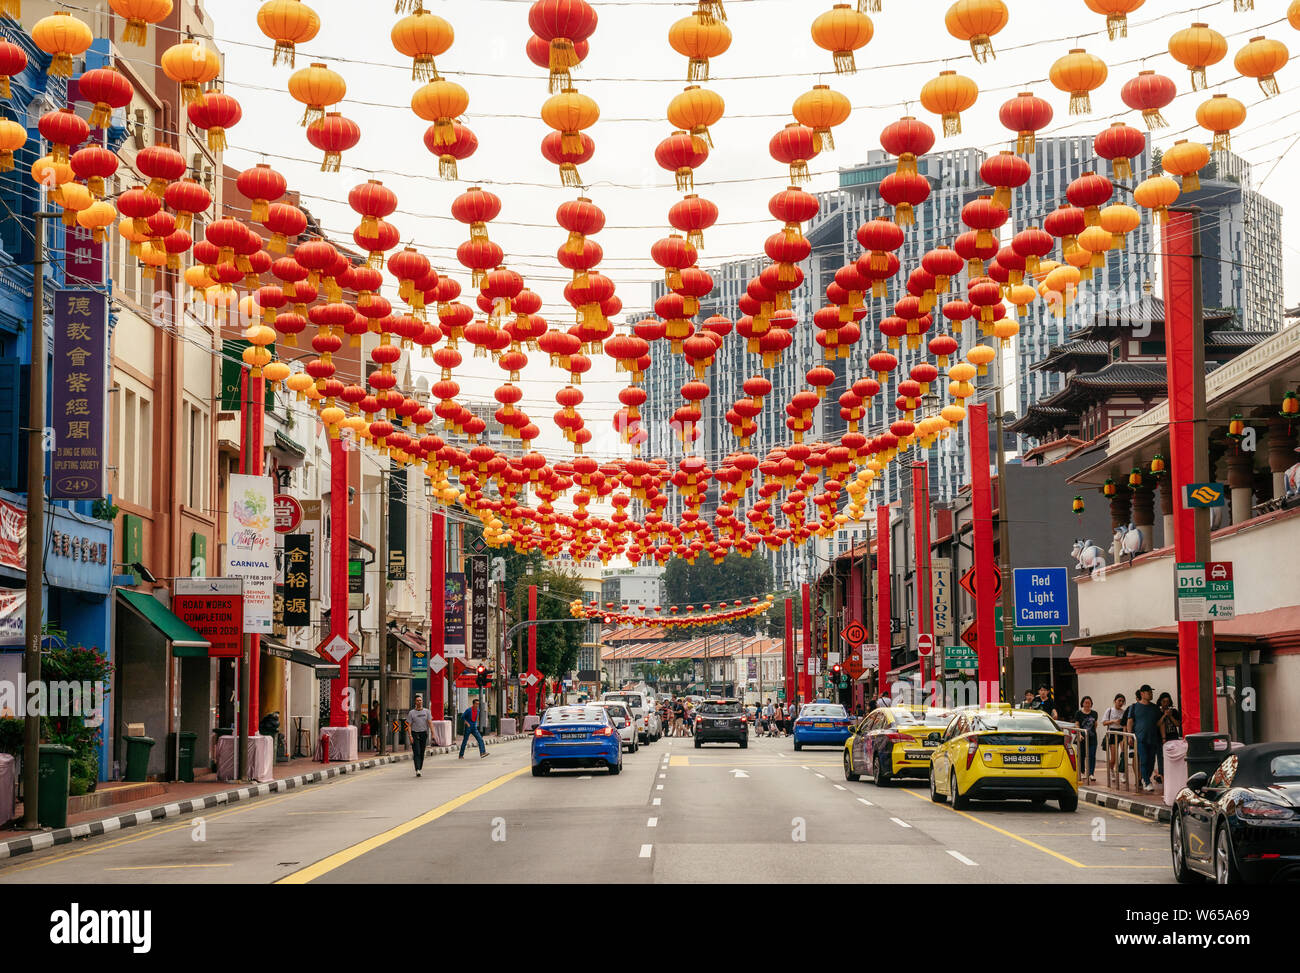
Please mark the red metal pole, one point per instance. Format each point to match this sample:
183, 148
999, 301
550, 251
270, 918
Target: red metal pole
986, 644
257, 408
338, 571
789, 650
920, 524
806, 689
1188, 447
884, 619
532, 647
437, 613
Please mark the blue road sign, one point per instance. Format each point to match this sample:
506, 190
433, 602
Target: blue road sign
1042, 598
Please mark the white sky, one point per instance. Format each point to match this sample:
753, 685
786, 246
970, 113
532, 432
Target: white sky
633, 73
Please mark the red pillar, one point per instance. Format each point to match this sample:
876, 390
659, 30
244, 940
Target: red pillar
438, 613
921, 525
986, 646
338, 571
884, 578
789, 650
257, 408
532, 647
1186, 382
806, 686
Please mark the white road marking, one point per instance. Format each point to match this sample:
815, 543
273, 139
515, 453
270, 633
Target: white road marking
960, 857
659, 787
656, 802
645, 851
585, 777
840, 787
822, 776
803, 766
737, 774
652, 823
863, 800
663, 776
900, 822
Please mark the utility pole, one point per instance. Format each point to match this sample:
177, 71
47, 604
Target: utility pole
1004, 544
383, 603
35, 529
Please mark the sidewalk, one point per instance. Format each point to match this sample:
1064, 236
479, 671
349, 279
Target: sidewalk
1148, 805
205, 792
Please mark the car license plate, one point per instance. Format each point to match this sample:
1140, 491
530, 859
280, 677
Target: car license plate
821, 726
572, 736
917, 754
1022, 758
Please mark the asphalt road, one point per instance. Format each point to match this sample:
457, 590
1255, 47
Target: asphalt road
675, 814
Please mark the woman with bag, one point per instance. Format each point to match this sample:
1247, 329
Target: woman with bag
1086, 718
1112, 722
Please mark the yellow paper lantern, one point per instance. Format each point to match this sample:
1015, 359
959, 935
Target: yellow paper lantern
191, 64
63, 37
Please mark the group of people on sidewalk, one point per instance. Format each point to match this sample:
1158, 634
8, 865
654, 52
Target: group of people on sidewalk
419, 720
1152, 725
677, 717
774, 719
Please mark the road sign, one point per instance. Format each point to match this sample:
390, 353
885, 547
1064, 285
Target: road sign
337, 649
288, 513
1205, 591
870, 655
1042, 597
970, 635
477, 545
1200, 496
968, 582
960, 657
855, 634
437, 663
924, 645
1036, 636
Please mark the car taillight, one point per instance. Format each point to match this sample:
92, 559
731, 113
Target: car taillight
539, 732
898, 738
1069, 752
699, 720
604, 731
971, 746
1263, 809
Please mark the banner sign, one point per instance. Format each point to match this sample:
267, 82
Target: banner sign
213, 607
312, 528
397, 525
80, 395
250, 547
941, 594
454, 607
13, 615
478, 594
13, 535
297, 580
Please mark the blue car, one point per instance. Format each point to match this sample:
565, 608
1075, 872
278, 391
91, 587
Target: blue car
822, 725
576, 736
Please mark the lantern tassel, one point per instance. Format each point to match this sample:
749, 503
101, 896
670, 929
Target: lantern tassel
1002, 197
284, 51
1198, 79
1080, 103
698, 69
217, 140
1025, 142
982, 47
710, 10
447, 168
401, 6
61, 65
101, 115
14, 8
1191, 182
560, 80
904, 215
868, 6
702, 132
137, 32
828, 140
333, 162
685, 180
799, 171
1269, 86
1122, 168
1222, 141
951, 124
1241, 6
1154, 119
1117, 25
4, 86
696, 239
423, 69
844, 63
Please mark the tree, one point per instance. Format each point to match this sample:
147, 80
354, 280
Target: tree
707, 582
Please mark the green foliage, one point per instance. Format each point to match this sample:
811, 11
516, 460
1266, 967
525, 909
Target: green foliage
775, 619
11, 735
708, 582
79, 664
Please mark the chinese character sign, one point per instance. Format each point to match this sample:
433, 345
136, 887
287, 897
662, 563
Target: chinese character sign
478, 593
80, 398
297, 580
454, 618
250, 547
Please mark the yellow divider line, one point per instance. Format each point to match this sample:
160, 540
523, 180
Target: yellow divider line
341, 858
1008, 834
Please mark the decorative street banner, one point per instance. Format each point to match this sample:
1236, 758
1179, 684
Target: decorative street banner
85, 258
454, 606
941, 594
13, 614
13, 536
478, 601
80, 396
297, 580
397, 525
250, 548
213, 607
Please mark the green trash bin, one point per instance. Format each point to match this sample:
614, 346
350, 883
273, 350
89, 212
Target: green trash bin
55, 774
137, 758
186, 772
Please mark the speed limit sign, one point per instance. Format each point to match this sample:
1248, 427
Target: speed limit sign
924, 645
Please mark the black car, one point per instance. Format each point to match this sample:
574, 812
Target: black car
1242, 823
721, 721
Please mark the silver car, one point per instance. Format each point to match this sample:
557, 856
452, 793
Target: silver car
623, 722
644, 712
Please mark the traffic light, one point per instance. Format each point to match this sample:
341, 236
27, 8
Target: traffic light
481, 677
836, 671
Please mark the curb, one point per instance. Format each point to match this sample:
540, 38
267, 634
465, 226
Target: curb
39, 841
1153, 811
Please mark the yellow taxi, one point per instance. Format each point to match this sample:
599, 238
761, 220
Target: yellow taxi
894, 741
991, 753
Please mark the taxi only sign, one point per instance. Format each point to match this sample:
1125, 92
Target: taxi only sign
1205, 591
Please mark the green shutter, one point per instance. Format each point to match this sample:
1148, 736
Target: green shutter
132, 542
232, 366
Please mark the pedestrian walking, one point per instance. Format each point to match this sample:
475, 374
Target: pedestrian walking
417, 724
1143, 720
1086, 717
780, 719
471, 717
1112, 721
1029, 700
1044, 703
1170, 727
373, 725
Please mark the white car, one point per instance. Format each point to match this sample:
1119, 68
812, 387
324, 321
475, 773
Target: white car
623, 722
646, 714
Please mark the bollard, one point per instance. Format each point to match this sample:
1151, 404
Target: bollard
324, 748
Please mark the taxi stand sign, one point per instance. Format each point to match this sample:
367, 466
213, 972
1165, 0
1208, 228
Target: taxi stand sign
1205, 591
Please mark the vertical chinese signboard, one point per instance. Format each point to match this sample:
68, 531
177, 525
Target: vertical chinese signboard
454, 620
250, 547
80, 399
397, 525
297, 580
478, 595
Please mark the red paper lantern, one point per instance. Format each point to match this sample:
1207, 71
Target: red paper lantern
264, 186
216, 113
908, 139
107, 89
682, 153
1148, 93
794, 146
451, 148
1120, 144
1025, 114
904, 192
568, 159
333, 135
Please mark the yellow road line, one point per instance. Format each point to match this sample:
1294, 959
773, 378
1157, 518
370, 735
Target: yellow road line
1003, 832
341, 858
147, 868
682, 761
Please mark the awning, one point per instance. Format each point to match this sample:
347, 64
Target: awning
323, 667
186, 643
413, 642
372, 672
